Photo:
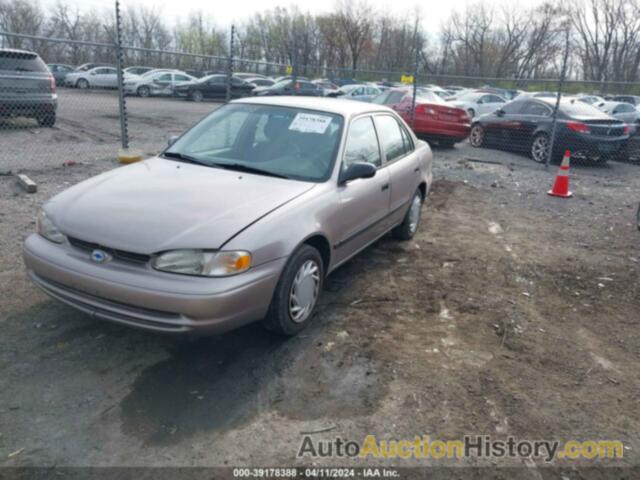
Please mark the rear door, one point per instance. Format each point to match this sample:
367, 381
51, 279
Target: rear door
364, 203
532, 116
400, 159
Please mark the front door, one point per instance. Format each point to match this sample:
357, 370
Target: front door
363, 203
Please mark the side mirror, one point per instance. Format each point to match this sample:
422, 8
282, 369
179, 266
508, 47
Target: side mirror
357, 170
172, 139
500, 112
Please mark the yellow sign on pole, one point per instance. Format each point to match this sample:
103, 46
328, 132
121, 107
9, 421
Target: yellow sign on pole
407, 79
289, 70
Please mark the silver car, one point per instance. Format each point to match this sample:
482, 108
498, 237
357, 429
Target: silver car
240, 219
156, 83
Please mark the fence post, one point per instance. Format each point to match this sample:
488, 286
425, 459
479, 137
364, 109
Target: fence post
124, 132
554, 121
415, 79
230, 64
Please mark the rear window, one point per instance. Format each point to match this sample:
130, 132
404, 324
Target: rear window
22, 62
580, 109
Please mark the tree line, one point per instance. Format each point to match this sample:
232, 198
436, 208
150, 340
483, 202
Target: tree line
482, 40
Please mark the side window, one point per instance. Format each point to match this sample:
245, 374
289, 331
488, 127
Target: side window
512, 108
390, 137
358, 91
494, 99
381, 99
406, 139
181, 78
164, 78
362, 143
532, 108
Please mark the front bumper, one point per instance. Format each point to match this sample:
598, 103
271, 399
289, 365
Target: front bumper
139, 296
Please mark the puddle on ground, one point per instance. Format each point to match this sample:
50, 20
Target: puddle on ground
221, 383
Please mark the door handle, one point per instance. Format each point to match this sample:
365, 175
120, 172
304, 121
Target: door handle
385, 187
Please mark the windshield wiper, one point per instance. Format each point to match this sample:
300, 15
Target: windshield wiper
185, 158
245, 168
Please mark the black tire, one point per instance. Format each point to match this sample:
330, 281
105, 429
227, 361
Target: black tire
143, 91
47, 120
476, 136
196, 96
279, 318
538, 149
409, 226
82, 84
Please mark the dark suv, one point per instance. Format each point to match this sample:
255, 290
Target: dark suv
27, 88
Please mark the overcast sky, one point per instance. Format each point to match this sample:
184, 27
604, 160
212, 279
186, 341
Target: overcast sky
223, 13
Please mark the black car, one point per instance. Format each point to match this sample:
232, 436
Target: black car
214, 86
59, 72
526, 125
289, 87
27, 87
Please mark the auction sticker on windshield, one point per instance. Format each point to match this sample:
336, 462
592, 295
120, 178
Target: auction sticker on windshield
310, 123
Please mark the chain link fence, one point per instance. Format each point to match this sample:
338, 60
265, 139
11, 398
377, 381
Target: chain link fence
60, 102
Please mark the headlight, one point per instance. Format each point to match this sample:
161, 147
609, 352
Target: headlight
202, 262
47, 229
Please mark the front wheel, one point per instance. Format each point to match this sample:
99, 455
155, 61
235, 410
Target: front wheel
540, 147
144, 92
197, 96
82, 84
409, 226
297, 292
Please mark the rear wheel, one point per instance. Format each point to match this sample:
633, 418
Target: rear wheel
540, 148
47, 120
296, 295
476, 137
144, 91
196, 96
409, 226
82, 83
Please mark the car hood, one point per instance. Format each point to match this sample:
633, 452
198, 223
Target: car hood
161, 204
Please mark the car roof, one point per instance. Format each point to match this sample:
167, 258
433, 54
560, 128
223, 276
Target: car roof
17, 51
346, 108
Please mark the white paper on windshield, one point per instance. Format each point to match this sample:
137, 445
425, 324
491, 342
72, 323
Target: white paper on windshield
310, 123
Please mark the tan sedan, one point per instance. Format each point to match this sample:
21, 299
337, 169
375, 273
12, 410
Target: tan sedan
239, 220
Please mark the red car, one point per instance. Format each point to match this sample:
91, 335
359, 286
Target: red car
435, 120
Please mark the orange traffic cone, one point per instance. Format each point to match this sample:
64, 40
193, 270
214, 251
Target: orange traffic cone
561, 185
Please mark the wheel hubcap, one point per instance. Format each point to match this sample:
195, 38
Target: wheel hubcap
414, 214
540, 149
304, 291
476, 136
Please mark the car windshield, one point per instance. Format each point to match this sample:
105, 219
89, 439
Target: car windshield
265, 139
281, 83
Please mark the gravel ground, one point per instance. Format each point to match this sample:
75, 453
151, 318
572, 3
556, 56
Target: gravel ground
510, 313
88, 129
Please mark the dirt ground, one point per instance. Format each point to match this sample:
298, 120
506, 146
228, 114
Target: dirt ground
510, 313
